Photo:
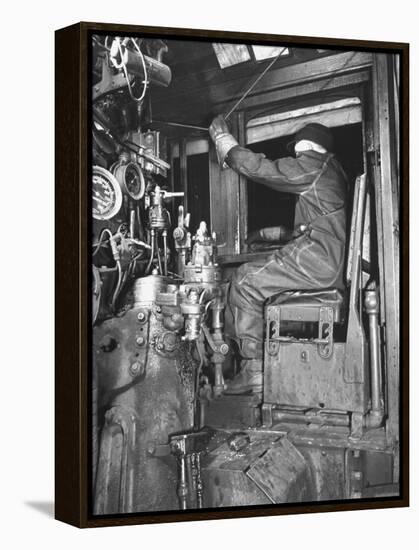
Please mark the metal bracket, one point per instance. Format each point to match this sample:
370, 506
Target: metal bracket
325, 331
187, 448
357, 426
272, 330
110, 82
325, 336
267, 419
157, 450
353, 474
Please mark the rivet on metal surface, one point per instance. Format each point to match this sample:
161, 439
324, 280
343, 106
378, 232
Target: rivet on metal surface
136, 368
142, 316
224, 349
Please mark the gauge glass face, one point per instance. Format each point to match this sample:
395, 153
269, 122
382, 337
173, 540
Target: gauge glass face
133, 181
106, 200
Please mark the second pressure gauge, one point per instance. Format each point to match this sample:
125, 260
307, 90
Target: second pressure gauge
131, 178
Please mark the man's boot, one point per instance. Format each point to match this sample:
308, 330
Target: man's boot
248, 379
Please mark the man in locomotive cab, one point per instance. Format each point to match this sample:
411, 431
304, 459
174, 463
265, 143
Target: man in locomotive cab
313, 258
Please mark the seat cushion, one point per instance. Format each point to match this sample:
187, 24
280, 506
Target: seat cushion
311, 299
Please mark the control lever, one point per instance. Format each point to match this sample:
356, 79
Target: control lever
182, 238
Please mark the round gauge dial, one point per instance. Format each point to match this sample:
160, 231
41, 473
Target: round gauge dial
132, 179
106, 194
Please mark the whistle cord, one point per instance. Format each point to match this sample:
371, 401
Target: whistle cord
247, 92
230, 112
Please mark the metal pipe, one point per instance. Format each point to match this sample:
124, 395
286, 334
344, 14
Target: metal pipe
219, 384
140, 225
118, 285
132, 223
190, 480
199, 485
183, 165
150, 263
165, 252
371, 307
375, 416
221, 348
181, 125
181, 261
158, 254
182, 489
157, 73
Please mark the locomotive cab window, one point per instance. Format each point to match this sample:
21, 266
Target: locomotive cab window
271, 136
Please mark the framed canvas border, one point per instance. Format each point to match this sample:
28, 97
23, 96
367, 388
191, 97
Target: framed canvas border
72, 277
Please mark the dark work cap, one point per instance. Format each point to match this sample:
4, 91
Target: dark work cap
315, 132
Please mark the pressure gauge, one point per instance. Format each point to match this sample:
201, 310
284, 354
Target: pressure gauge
131, 178
106, 194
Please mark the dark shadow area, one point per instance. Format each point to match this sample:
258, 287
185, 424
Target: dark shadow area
267, 207
198, 199
45, 507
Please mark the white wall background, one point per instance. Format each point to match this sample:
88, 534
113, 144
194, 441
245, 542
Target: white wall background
27, 303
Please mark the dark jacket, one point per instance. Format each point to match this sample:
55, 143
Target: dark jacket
321, 185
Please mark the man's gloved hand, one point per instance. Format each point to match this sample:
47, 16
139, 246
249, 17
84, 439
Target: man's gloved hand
223, 140
269, 237
254, 237
218, 128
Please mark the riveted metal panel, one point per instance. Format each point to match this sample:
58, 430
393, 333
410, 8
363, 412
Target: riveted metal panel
297, 375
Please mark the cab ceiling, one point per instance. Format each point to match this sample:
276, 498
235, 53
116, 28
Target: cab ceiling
199, 86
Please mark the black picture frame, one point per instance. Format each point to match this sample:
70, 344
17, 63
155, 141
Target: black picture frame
73, 327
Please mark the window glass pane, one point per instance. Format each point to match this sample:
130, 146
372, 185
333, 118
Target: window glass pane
231, 54
265, 52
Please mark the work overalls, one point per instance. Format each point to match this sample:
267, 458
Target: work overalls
313, 260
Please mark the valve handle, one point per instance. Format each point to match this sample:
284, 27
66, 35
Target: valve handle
170, 194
